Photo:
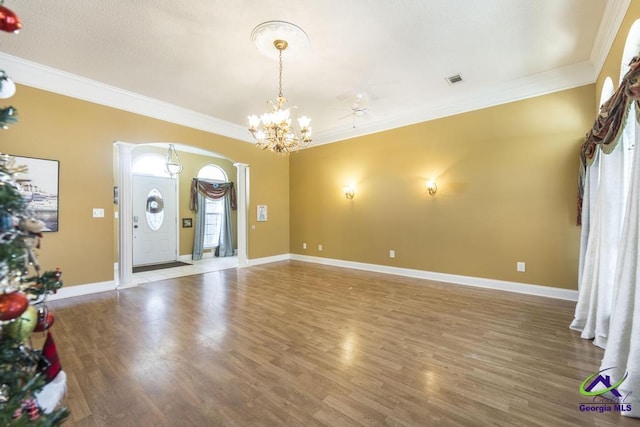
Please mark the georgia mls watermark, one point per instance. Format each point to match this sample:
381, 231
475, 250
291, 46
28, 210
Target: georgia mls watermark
595, 386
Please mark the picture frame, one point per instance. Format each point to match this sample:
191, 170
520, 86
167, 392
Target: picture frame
187, 222
39, 186
262, 213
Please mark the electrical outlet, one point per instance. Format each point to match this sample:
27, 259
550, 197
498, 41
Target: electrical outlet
320, 248
98, 213
392, 253
304, 246
520, 266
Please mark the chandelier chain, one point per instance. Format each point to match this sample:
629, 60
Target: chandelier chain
280, 76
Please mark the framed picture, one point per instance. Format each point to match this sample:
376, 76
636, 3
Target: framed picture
39, 187
187, 222
262, 212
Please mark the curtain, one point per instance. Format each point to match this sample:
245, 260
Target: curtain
588, 209
201, 189
593, 309
198, 230
623, 347
609, 124
225, 244
608, 306
213, 190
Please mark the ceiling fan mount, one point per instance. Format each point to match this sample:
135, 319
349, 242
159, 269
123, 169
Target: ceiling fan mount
358, 109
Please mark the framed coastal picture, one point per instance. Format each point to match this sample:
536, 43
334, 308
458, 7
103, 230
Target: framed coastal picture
39, 187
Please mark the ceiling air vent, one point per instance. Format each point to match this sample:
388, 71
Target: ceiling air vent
455, 79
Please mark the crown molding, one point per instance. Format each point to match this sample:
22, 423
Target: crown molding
53, 80
614, 13
57, 81
555, 80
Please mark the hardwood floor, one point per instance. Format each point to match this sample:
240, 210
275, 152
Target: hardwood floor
293, 343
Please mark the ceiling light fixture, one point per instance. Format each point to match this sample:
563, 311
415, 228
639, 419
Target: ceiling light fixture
273, 130
173, 165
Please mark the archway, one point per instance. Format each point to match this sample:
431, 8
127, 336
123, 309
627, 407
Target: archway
125, 217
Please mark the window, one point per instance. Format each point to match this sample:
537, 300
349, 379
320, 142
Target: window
628, 140
155, 209
213, 208
150, 164
631, 48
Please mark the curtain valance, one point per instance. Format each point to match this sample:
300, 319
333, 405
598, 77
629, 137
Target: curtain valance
609, 124
212, 190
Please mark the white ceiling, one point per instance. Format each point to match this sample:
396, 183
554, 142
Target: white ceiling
194, 63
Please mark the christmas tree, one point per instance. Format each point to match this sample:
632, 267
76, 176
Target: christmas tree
32, 382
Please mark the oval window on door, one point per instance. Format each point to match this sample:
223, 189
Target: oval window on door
155, 209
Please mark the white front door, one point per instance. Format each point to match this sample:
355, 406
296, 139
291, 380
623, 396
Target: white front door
154, 220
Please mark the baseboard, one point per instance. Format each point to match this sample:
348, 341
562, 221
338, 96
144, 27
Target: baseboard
79, 290
502, 285
268, 260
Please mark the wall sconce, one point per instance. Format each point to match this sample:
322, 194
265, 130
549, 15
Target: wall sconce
349, 192
432, 188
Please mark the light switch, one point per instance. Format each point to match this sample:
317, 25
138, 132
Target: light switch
98, 213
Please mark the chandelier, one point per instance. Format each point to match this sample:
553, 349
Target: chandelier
273, 130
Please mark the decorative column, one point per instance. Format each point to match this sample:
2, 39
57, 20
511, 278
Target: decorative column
125, 216
243, 205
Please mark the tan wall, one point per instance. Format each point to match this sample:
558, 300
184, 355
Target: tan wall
507, 192
506, 179
80, 135
611, 66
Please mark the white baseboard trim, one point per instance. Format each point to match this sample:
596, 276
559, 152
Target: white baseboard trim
502, 285
79, 290
267, 260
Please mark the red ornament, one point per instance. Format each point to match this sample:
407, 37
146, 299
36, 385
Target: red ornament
45, 320
9, 21
12, 305
29, 407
